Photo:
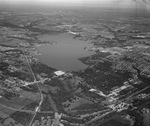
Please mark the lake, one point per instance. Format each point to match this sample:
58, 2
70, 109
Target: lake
65, 53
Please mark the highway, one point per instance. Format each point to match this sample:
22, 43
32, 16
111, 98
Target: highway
35, 80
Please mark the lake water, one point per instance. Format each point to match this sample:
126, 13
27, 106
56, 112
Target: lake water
65, 53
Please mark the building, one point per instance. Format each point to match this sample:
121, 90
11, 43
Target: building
59, 73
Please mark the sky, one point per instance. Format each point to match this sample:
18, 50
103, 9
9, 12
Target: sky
79, 2
111, 3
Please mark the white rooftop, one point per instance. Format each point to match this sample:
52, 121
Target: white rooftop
92, 90
59, 73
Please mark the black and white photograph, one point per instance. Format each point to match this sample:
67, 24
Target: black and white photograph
74, 62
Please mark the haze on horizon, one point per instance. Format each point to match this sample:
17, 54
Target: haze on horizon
97, 3
72, 2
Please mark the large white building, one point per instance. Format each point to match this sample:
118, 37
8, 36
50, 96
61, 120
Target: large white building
59, 73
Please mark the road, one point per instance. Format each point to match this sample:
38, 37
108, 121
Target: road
35, 80
21, 110
28, 111
128, 98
